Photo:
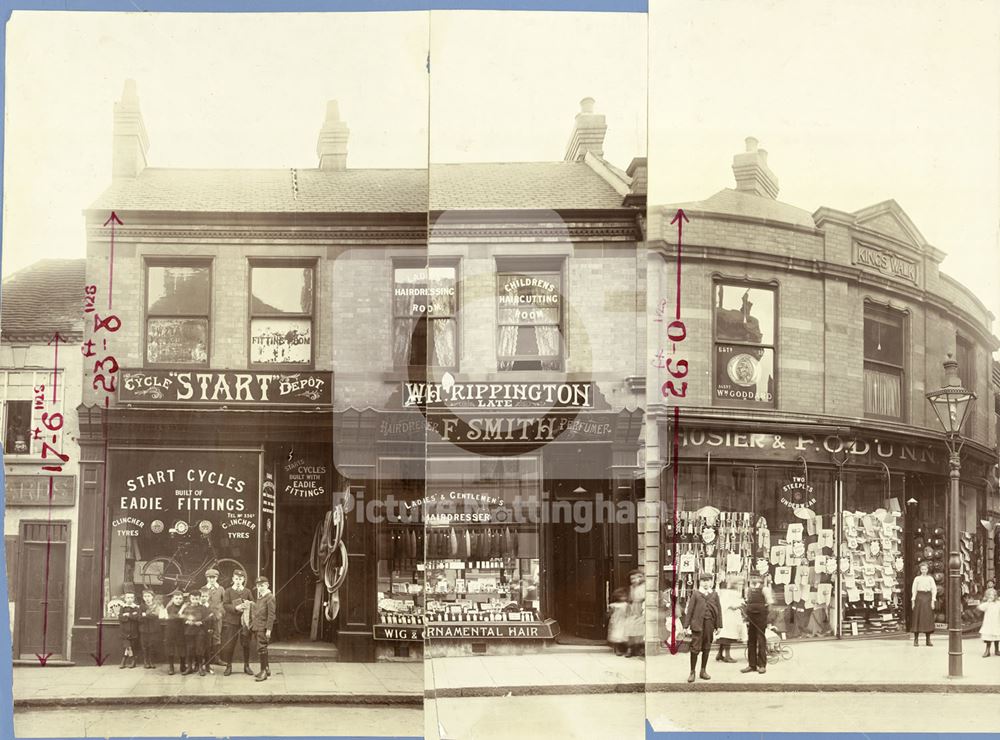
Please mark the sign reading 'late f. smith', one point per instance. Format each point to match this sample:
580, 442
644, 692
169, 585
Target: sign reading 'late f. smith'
226, 387
498, 395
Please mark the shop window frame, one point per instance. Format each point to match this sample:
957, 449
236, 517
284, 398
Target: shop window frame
746, 282
887, 314
167, 262
532, 266
270, 262
421, 263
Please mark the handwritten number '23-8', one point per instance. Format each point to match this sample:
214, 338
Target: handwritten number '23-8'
676, 332
111, 324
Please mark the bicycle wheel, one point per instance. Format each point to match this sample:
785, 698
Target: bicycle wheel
226, 567
773, 655
302, 618
786, 652
162, 573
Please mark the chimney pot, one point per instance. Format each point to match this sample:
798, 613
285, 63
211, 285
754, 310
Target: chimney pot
588, 133
331, 147
752, 173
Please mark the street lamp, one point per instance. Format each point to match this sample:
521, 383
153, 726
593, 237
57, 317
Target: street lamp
951, 405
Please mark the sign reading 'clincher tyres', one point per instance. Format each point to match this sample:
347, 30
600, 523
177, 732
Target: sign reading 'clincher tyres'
226, 387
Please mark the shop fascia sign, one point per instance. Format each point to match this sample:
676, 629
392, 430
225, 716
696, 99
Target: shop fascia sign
812, 447
484, 631
497, 395
226, 387
884, 262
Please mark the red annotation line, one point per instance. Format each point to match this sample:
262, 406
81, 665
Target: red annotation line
679, 218
112, 219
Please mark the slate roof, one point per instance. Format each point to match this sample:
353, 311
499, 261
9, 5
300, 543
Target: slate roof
517, 185
737, 203
43, 298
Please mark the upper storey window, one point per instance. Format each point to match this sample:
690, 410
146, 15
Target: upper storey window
178, 308
281, 314
885, 372
529, 318
425, 315
745, 362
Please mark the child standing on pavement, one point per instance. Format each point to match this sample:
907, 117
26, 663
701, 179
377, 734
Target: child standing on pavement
173, 634
194, 615
636, 625
702, 617
149, 626
990, 631
617, 636
262, 615
128, 618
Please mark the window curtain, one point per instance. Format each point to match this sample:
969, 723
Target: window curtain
507, 345
547, 339
444, 342
883, 393
401, 340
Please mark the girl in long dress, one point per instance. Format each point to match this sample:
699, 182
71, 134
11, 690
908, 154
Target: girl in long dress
923, 598
733, 628
990, 631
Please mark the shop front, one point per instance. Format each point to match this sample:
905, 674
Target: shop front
224, 470
520, 505
836, 522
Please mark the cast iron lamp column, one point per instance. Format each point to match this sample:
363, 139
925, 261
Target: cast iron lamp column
951, 405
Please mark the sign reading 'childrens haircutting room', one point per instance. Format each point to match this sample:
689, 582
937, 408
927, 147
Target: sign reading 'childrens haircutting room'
226, 388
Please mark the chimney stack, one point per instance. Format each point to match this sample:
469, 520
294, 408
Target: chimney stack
332, 144
129, 142
752, 173
588, 133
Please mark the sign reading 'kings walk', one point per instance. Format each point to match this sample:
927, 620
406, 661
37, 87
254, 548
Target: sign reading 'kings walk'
226, 387
498, 395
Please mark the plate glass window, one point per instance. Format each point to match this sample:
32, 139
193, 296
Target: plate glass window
281, 315
425, 324
529, 319
884, 371
178, 298
745, 362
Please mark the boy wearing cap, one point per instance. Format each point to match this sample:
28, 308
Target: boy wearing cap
173, 634
195, 615
128, 617
216, 595
262, 615
236, 604
702, 618
149, 626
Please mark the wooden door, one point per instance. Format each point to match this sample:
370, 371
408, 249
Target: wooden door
580, 580
41, 606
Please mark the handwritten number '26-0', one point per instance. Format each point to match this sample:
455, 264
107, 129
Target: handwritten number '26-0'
668, 389
676, 331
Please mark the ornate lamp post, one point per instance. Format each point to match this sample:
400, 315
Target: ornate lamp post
951, 404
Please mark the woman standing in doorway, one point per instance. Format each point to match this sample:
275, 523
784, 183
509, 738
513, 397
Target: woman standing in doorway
923, 598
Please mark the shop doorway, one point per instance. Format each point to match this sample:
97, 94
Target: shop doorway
580, 575
41, 603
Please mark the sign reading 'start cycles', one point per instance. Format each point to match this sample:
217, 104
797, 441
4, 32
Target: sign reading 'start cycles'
226, 387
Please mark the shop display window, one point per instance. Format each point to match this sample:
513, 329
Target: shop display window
178, 306
483, 540
400, 542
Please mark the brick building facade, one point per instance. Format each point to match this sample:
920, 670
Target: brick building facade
300, 344
810, 342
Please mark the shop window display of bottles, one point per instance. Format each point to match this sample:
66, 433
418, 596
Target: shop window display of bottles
400, 574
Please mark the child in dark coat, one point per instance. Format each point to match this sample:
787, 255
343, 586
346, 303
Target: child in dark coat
173, 634
702, 618
149, 627
128, 618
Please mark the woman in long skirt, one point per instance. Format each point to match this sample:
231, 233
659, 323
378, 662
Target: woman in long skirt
923, 599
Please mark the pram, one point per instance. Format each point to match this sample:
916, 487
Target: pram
776, 649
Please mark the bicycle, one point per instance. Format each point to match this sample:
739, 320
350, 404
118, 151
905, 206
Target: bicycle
775, 650
167, 571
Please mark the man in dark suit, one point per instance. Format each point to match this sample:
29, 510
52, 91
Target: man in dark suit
701, 618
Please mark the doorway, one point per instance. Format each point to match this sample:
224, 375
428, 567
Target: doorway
41, 603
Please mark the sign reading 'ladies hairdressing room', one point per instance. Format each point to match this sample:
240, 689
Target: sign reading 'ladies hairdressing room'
226, 388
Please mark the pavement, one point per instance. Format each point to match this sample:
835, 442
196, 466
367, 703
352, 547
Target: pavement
845, 666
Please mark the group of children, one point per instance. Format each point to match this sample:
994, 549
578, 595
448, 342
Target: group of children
626, 627
203, 630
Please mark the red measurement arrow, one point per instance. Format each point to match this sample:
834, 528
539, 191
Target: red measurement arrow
100, 656
112, 219
43, 657
679, 218
55, 364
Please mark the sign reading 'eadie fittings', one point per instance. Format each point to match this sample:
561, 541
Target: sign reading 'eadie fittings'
226, 387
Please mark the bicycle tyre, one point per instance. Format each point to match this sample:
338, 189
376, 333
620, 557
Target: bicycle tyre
786, 652
773, 657
163, 572
302, 617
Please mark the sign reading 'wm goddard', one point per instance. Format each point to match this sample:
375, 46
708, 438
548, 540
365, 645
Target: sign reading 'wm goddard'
226, 387
498, 395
